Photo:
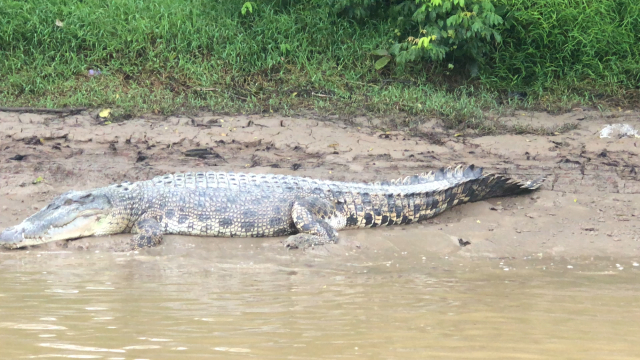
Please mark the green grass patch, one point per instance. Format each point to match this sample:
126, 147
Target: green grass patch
170, 56
562, 50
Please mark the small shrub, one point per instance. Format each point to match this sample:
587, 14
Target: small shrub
432, 30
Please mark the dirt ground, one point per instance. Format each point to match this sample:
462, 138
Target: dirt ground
588, 206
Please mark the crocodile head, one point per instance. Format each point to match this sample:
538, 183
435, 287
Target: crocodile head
71, 215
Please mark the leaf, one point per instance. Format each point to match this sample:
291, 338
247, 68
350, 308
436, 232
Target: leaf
247, 6
38, 180
104, 113
453, 20
424, 42
446, 6
59, 23
382, 62
395, 49
380, 52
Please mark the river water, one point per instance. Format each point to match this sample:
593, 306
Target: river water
199, 299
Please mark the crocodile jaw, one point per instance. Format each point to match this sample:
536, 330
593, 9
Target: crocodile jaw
70, 216
24, 235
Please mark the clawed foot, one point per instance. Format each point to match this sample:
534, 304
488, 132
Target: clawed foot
302, 241
148, 233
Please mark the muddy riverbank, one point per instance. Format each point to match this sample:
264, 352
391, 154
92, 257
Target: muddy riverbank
588, 206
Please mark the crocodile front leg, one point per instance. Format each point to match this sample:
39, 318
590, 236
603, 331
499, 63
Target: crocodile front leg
311, 217
148, 233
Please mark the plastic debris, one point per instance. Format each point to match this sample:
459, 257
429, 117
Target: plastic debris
621, 130
94, 72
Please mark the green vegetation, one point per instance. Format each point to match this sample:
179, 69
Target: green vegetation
584, 47
451, 59
451, 30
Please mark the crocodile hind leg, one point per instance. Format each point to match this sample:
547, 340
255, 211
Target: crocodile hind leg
148, 233
310, 216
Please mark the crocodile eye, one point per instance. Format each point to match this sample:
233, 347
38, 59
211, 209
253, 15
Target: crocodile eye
68, 202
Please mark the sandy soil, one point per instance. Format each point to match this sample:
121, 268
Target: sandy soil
589, 205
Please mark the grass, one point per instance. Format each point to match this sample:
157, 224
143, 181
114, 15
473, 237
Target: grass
569, 49
171, 56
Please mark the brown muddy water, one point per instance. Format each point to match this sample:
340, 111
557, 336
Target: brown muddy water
200, 298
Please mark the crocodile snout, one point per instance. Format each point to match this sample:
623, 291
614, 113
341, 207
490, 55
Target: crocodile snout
10, 237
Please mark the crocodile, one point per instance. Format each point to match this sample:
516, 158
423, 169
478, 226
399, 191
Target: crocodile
309, 211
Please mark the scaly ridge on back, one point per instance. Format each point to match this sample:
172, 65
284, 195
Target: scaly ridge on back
448, 174
243, 181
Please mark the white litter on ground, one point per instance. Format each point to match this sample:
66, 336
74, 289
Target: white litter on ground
621, 130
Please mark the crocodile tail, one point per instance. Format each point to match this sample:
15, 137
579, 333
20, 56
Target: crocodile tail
477, 188
463, 174
495, 185
473, 187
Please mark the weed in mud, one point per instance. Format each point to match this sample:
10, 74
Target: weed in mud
520, 129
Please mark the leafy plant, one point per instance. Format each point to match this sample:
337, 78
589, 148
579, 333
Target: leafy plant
458, 28
433, 30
